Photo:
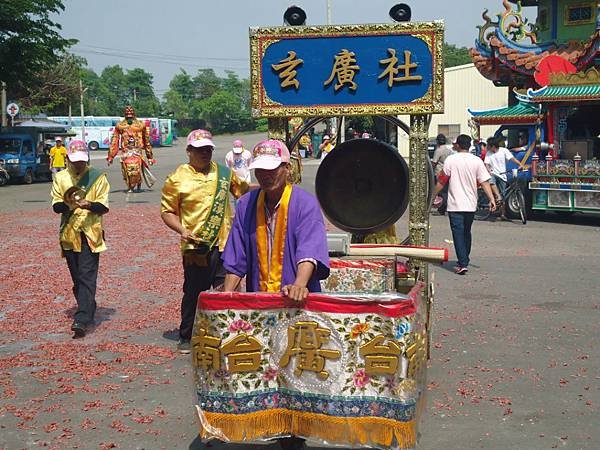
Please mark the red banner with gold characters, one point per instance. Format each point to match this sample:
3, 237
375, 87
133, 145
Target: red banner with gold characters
345, 370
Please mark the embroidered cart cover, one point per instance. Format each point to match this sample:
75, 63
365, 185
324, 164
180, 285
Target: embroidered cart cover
344, 370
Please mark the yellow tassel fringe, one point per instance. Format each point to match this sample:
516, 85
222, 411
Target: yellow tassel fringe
338, 430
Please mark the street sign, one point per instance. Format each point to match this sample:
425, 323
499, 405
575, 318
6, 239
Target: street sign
12, 109
347, 69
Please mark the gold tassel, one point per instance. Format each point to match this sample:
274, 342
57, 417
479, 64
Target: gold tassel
339, 430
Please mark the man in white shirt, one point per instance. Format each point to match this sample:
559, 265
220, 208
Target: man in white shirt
442, 151
495, 161
463, 171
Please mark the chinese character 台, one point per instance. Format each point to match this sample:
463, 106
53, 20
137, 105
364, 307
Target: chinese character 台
243, 353
381, 359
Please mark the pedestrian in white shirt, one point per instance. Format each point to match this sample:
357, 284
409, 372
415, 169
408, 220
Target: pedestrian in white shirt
463, 171
238, 159
495, 161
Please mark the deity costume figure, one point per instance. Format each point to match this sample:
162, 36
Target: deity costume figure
130, 137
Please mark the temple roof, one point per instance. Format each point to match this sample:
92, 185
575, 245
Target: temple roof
506, 57
565, 93
520, 113
507, 51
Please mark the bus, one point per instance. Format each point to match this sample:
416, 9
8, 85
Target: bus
98, 129
154, 129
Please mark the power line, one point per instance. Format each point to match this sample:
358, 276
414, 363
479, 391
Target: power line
139, 52
160, 60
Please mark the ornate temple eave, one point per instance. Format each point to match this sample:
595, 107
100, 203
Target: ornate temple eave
521, 113
499, 56
566, 93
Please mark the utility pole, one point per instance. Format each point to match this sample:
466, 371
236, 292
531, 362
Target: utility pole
333, 119
134, 95
81, 92
4, 104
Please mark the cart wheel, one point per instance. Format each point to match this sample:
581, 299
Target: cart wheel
28, 178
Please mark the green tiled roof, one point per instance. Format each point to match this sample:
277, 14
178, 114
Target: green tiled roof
573, 92
521, 112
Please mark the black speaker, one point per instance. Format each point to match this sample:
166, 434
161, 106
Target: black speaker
294, 16
400, 12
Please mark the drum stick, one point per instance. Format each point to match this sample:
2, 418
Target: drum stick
433, 254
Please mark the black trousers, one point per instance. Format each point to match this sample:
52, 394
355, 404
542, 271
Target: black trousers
83, 267
195, 280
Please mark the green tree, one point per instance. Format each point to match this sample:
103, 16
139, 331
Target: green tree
206, 83
116, 93
30, 43
55, 88
179, 96
223, 113
455, 56
97, 97
142, 96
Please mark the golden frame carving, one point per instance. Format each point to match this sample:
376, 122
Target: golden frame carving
432, 33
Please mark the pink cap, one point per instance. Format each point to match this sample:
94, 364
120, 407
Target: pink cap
78, 151
269, 155
200, 138
238, 146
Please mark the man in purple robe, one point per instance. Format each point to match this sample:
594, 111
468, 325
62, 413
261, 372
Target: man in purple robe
278, 239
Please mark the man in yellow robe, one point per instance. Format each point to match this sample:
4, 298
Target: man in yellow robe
80, 194
195, 204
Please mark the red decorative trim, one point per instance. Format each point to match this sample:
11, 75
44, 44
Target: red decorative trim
316, 302
336, 263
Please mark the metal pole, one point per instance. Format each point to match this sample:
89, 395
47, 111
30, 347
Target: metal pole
333, 119
70, 114
81, 110
3, 104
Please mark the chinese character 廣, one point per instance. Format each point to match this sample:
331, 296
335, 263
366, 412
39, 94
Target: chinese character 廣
287, 70
304, 342
242, 353
391, 70
206, 350
344, 69
381, 359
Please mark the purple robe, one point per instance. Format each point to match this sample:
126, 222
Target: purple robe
305, 238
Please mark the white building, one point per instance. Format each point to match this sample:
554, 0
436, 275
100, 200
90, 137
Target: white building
464, 87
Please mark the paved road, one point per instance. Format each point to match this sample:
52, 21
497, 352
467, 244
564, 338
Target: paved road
515, 353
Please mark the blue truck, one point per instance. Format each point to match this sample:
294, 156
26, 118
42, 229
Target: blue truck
24, 150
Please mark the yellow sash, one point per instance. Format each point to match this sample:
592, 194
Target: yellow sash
270, 280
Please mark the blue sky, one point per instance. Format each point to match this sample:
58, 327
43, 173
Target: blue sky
164, 36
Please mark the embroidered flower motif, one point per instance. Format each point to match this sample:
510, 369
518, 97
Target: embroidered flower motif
270, 321
239, 325
221, 374
390, 383
361, 378
401, 329
270, 374
359, 329
374, 408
